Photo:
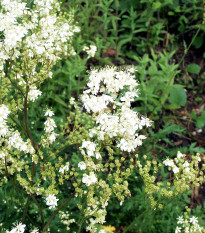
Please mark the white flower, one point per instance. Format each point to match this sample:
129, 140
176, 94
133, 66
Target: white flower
49, 125
168, 162
19, 228
63, 169
89, 179
180, 220
175, 169
90, 51
4, 112
52, 137
98, 155
186, 164
49, 113
178, 229
90, 147
33, 93
102, 231
16, 141
72, 100
2, 155
51, 201
193, 220
35, 230
145, 121
82, 165
179, 155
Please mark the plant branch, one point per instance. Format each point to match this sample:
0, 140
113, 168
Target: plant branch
7, 65
40, 210
186, 50
56, 212
7, 172
26, 209
26, 120
133, 222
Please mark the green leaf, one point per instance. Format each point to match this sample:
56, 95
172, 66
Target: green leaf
193, 68
198, 42
200, 122
59, 100
193, 115
178, 96
156, 5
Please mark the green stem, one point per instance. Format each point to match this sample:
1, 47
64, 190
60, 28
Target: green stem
19, 189
26, 209
40, 210
80, 225
193, 39
133, 222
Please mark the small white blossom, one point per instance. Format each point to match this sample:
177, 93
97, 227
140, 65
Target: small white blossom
19, 228
49, 113
4, 112
89, 179
33, 94
63, 169
82, 165
178, 229
49, 125
90, 147
180, 220
72, 100
90, 51
193, 220
52, 137
175, 169
51, 201
35, 230
179, 155
98, 155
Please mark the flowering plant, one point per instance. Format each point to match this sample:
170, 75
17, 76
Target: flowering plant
102, 129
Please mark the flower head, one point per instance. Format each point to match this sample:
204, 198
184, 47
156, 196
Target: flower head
51, 201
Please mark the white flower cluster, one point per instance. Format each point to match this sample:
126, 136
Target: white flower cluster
179, 163
51, 201
33, 94
99, 219
49, 126
4, 112
90, 147
36, 35
90, 50
190, 225
13, 138
65, 219
17, 142
112, 110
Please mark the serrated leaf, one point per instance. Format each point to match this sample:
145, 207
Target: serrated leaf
178, 96
193, 68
